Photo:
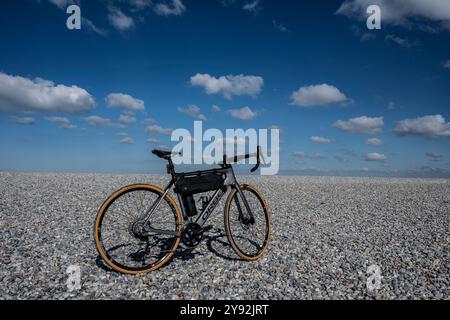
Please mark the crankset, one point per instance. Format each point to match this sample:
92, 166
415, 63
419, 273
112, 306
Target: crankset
192, 235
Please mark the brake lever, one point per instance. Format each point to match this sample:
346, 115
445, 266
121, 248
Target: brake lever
255, 167
262, 157
257, 160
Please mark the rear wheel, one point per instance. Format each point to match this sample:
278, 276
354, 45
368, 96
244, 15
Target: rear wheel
248, 235
125, 242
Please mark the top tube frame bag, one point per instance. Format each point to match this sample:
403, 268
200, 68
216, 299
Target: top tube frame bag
194, 183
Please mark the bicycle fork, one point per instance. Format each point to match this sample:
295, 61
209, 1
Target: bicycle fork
246, 220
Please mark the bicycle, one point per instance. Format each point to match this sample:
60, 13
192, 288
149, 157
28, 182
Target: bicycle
139, 218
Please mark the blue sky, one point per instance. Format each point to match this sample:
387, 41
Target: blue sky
313, 70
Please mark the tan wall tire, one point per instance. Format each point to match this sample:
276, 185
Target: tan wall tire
103, 210
228, 230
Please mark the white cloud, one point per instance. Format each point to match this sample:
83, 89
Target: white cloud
433, 156
154, 128
244, 113
229, 85
279, 26
252, 6
402, 42
321, 140
304, 155
227, 3
119, 20
446, 64
19, 94
401, 12
392, 105
57, 119
62, 4
175, 8
317, 95
125, 102
126, 140
88, 24
149, 121
140, 4
361, 125
153, 141
97, 121
64, 123
375, 142
363, 34
433, 126
216, 108
67, 126
24, 121
193, 111
374, 156
125, 119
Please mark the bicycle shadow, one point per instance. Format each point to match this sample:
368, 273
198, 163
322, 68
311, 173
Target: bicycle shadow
215, 240
216, 243
102, 265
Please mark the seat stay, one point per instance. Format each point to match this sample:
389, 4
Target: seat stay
156, 204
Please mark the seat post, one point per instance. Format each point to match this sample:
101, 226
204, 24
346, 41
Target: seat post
170, 167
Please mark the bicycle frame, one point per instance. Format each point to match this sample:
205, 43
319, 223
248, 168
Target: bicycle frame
229, 182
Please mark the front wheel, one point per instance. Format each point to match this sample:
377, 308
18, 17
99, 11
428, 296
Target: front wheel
118, 230
248, 234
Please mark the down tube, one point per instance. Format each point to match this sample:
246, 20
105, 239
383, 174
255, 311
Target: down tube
211, 206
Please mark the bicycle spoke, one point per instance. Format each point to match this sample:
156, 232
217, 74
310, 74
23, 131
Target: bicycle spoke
125, 241
250, 239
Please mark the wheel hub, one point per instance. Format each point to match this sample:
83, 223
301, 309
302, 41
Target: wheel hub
245, 221
137, 230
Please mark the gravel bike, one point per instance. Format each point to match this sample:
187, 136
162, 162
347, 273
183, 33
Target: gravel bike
139, 227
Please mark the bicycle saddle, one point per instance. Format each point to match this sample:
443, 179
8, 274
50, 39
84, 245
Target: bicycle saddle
165, 154
162, 153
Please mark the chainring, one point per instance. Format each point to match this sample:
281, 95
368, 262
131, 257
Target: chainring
192, 235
